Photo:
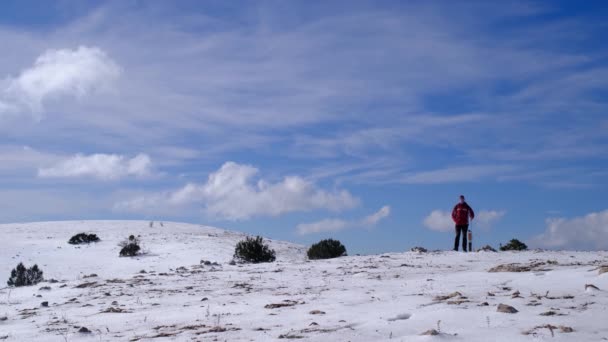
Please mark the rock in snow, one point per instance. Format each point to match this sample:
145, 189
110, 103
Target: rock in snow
506, 309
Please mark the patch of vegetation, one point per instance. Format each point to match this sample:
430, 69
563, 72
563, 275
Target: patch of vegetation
130, 247
254, 250
22, 276
514, 245
486, 248
83, 238
326, 249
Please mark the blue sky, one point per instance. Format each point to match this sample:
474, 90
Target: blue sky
361, 121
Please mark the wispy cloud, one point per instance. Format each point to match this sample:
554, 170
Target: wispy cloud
401, 93
473, 173
233, 193
335, 225
376, 217
23, 159
323, 226
100, 166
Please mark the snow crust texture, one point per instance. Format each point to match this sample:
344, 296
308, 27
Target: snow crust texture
184, 288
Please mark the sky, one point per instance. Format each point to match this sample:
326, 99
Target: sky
361, 121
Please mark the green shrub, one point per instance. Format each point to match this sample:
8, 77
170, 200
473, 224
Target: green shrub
514, 245
22, 276
326, 249
253, 250
83, 238
130, 247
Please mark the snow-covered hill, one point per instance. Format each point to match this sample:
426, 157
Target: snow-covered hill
168, 245
169, 295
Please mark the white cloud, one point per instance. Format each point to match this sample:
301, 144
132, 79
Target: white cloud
376, 217
231, 193
589, 232
101, 166
56, 73
441, 221
486, 218
334, 225
139, 165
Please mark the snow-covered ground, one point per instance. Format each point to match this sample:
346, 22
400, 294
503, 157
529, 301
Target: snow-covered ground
168, 294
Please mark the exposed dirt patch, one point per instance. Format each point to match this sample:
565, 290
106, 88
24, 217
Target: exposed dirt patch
285, 303
551, 328
85, 285
535, 266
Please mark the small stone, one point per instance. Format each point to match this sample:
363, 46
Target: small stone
3, 318
484, 304
506, 309
204, 299
548, 313
317, 312
565, 329
431, 332
446, 297
44, 304
84, 330
419, 249
45, 288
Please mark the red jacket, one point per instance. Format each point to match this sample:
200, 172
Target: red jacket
461, 213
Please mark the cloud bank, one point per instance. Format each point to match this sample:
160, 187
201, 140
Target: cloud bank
232, 193
589, 232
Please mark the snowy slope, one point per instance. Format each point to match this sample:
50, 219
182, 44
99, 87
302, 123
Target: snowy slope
362, 298
169, 244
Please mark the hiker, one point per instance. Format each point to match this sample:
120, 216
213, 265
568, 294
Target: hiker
461, 214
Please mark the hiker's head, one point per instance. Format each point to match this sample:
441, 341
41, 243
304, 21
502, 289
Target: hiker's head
461, 198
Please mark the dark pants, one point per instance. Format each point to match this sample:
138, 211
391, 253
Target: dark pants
461, 229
